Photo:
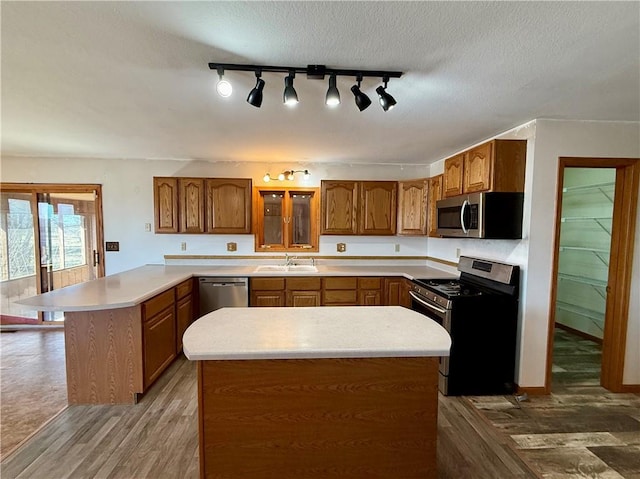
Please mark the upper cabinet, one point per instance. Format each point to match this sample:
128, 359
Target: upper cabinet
165, 204
435, 194
358, 207
498, 165
286, 219
412, 207
202, 205
228, 205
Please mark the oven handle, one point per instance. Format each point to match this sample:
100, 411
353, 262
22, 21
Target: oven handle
464, 205
428, 305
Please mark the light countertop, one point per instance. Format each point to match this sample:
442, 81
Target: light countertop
321, 332
132, 287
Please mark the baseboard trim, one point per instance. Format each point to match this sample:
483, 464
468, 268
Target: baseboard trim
631, 388
532, 390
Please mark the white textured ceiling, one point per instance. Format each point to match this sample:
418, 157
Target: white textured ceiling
130, 79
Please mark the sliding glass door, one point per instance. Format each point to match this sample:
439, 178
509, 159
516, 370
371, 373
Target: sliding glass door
51, 238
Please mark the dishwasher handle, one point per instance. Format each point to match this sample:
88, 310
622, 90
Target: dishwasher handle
209, 283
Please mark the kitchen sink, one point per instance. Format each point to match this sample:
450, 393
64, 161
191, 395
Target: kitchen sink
294, 268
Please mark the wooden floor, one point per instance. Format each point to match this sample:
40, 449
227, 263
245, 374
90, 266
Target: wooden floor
595, 435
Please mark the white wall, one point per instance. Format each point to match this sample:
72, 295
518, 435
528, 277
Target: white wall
127, 188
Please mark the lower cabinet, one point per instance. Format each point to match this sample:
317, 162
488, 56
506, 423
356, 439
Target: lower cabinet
303, 291
339, 291
159, 337
370, 291
396, 292
267, 292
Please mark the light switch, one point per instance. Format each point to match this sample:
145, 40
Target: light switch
183, 246
147, 226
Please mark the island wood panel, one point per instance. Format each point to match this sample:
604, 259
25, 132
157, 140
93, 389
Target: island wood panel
104, 356
318, 418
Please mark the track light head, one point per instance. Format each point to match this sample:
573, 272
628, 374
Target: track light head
290, 96
223, 87
362, 100
255, 95
387, 102
333, 95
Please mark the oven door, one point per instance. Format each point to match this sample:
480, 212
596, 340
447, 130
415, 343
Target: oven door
442, 316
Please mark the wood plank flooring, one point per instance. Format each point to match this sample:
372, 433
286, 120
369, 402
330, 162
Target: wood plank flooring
580, 431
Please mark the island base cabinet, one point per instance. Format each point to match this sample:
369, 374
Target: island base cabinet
103, 352
318, 418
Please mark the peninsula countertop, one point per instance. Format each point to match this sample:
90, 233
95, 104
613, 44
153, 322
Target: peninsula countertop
314, 333
129, 288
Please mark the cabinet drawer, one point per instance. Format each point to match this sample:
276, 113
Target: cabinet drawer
156, 304
267, 284
184, 288
339, 296
369, 283
340, 282
304, 284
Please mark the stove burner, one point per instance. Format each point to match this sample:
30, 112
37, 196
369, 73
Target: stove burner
451, 288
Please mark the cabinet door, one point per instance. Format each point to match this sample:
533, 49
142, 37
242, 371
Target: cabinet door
453, 177
435, 194
378, 207
392, 291
159, 338
303, 298
268, 298
339, 207
369, 297
184, 316
412, 207
228, 205
478, 168
165, 204
191, 202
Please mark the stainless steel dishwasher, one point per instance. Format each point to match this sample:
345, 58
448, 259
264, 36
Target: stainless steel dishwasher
216, 293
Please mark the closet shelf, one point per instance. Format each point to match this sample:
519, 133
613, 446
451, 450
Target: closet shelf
585, 218
596, 316
581, 279
580, 248
595, 186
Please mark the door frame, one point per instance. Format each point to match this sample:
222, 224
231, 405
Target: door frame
34, 189
620, 267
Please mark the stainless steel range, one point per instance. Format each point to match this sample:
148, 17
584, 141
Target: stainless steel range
480, 312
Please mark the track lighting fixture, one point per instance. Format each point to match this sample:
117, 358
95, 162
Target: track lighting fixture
255, 96
386, 101
362, 100
290, 97
333, 95
313, 72
286, 175
223, 87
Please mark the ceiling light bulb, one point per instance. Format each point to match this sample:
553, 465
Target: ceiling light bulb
224, 88
266, 178
333, 95
306, 174
290, 97
281, 177
255, 96
386, 101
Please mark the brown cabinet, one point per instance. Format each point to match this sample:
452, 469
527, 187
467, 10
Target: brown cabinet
228, 205
304, 291
358, 207
159, 335
396, 292
498, 165
339, 207
191, 203
184, 310
339, 291
412, 207
453, 176
165, 199
199, 205
286, 219
370, 291
267, 292
435, 194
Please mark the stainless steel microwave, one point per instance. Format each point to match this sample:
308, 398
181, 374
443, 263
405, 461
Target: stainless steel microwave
491, 215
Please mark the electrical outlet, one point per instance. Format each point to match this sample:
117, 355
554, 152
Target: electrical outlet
147, 226
457, 252
112, 246
183, 246
341, 247
397, 248
232, 246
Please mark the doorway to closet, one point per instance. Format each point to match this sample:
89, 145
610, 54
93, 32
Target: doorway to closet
595, 227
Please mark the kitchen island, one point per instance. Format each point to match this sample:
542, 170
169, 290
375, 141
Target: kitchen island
347, 392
